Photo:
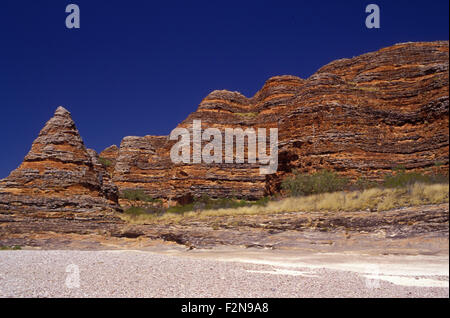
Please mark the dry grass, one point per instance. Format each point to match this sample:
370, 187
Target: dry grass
375, 199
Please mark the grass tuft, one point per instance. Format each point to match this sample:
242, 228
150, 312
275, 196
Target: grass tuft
10, 248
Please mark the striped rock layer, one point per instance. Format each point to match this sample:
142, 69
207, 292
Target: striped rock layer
361, 117
59, 175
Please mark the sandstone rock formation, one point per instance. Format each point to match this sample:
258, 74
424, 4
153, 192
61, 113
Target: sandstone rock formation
59, 176
359, 116
368, 114
108, 158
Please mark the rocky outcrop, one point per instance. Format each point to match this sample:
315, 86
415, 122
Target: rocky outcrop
368, 114
361, 117
59, 176
108, 158
145, 163
304, 230
411, 230
108, 189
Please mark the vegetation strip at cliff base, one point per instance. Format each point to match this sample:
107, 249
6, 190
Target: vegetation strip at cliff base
374, 199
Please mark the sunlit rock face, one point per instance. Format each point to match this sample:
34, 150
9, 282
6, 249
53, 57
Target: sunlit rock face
59, 175
368, 114
361, 117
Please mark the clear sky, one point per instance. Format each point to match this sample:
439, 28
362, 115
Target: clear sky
139, 67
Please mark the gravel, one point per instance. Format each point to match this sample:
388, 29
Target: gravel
37, 273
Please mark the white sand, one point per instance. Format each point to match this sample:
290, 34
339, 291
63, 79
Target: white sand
236, 273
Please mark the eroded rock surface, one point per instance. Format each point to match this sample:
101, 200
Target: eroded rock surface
408, 230
59, 176
361, 117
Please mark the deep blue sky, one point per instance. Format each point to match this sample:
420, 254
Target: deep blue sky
140, 67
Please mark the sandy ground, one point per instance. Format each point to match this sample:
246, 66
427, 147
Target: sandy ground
221, 272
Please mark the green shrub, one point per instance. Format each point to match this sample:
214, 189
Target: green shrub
138, 195
320, 182
401, 178
105, 162
207, 203
438, 164
439, 178
362, 183
262, 202
135, 211
181, 209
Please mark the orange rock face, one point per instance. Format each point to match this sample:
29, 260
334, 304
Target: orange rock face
109, 156
366, 115
361, 117
58, 174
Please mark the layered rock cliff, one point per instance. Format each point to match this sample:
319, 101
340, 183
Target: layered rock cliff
361, 117
59, 175
368, 114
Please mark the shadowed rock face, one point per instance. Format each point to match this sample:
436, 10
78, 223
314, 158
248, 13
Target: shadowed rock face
359, 116
58, 174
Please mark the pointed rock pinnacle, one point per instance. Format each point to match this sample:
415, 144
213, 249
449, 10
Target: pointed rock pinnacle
61, 111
